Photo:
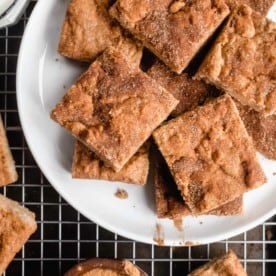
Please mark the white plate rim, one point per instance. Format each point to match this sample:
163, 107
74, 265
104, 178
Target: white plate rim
68, 198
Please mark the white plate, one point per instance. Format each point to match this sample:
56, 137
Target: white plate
42, 78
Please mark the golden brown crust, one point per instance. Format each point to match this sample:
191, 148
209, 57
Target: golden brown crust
87, 30
234, 207
169, 202
99, 266
87, 165
121, 193
228, 264
261, 6
130, 48
205, 146
104, 3
242, 61
173, 30
8, 172
113, 108
16, 225
189, 92
261, 128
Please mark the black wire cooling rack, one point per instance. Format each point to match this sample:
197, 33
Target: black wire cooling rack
64, 237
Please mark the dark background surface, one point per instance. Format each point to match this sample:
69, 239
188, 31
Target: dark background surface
64, 237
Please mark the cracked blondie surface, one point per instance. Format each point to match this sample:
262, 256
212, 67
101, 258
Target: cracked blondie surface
261, 6
87, 30
210, 155
261, 128
113, 108
242, 61
169, 202
173, 30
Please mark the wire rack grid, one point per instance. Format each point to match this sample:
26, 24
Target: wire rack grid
64, 237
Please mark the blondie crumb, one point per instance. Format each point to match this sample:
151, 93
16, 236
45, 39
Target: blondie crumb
121, 193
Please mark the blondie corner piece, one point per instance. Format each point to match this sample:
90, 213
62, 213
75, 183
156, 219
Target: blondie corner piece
113, 108
87, 30
173, 30
17, 224
261, 6
242, 61
188, 91
210, 155
228, 264
169, 202
87, 165
261, 128
105, 267
8, 172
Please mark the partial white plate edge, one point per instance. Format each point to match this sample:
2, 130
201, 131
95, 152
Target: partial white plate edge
85, 212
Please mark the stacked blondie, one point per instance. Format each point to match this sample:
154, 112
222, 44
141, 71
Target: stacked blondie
206, 126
